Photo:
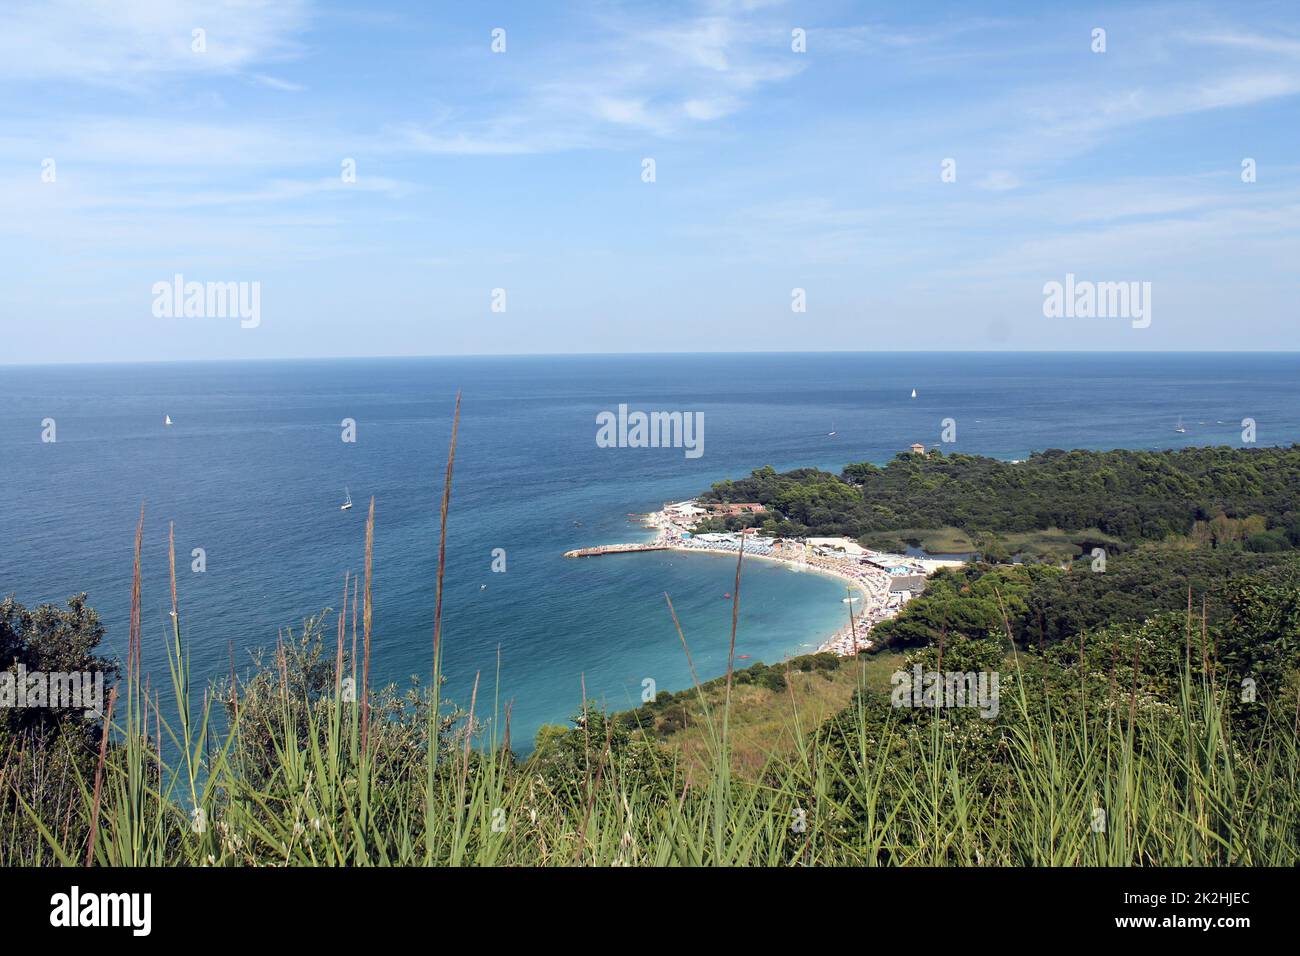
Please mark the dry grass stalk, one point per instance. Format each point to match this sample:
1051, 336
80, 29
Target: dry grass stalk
735, 616
442, 538
133, 640
338, 653
171, 563
99, 778
366, 615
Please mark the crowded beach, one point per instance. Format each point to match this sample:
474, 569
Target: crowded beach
879, 583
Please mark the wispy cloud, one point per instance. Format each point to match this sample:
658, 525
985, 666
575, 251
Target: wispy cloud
1253, 42
276, 83
123, 44
629, 75
134, 143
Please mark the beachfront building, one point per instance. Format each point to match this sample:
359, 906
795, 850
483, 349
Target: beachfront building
836, 546
904, 587
918, 448
736, 508
890, 563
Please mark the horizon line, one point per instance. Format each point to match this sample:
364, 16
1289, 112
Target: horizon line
527, 355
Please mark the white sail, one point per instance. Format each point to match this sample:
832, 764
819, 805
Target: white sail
914, 393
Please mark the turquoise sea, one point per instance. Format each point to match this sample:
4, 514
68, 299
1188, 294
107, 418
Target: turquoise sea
253, 471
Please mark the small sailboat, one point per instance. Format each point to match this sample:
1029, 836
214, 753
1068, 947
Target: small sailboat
348, 503
914, 393
831, 433
167, 419
1179, 427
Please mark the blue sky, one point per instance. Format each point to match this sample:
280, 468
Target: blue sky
522, 170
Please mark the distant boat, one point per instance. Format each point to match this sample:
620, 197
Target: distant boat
348, 503
831, 433
1179, 427
167, 419
914, 393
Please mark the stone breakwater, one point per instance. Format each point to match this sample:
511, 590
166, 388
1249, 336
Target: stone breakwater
613, 549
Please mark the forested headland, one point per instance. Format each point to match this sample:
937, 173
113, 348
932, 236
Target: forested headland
1054, 504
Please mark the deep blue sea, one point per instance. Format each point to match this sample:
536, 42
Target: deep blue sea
253, 471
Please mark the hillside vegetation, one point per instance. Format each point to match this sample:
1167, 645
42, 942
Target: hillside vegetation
1239, 498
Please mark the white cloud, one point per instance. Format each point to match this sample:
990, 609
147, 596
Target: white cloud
127, 43
624, 111
711, 108
275, 83
1248, 41
154, 142
999, 180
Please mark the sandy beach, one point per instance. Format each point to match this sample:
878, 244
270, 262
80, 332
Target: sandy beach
872, 599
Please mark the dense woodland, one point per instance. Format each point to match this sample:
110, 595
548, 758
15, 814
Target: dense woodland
1236, 498
1044, 605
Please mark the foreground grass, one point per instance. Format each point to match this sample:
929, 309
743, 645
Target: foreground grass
292, 782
